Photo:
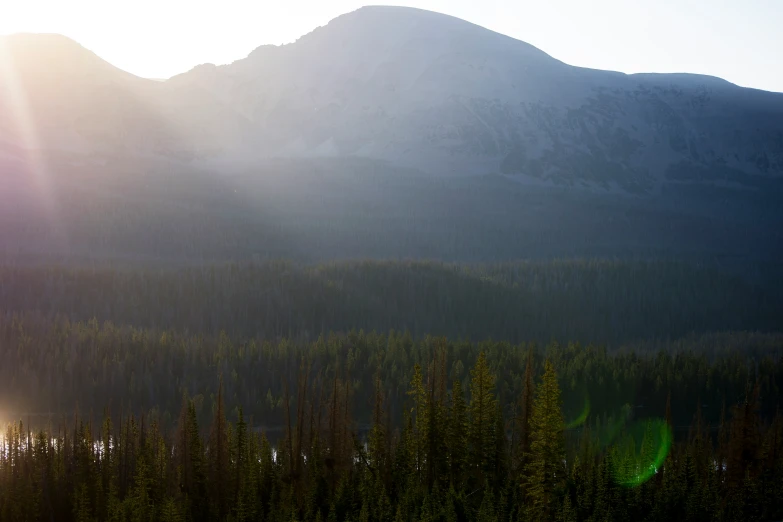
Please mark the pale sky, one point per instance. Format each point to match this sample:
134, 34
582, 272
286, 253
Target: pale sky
739, 40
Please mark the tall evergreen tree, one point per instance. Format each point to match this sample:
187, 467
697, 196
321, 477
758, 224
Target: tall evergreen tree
482, 420
525, 411
218, 452
545, 470
420, 422
458, 431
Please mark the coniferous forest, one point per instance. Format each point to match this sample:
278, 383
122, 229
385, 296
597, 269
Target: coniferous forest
571, 390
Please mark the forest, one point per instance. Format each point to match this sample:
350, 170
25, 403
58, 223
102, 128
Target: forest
543, 390
598, 301
453, 451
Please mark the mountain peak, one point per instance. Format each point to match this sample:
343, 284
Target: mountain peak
46, 46
40, 39
393, 13
389, 18
381, 31
53, 56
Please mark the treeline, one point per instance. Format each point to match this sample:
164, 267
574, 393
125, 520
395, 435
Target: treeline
455, 455
608, 302
51, 367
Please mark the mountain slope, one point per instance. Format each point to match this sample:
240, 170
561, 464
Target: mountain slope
412, 87
434, 92
55, 94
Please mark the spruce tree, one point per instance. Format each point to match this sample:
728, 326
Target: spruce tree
458, 429
218, 451
421, 421
522, 425
545, 470
482, 420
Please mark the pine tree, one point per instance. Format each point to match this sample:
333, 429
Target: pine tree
458, 429
545, 471
218, 452
499, 455
170, 511
377, 441
141, 506
486, 511
244, 482
189, 463
420, 422
522, 425
267, 473
567, 511
482, 420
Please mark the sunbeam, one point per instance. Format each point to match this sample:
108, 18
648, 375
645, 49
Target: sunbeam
20, 126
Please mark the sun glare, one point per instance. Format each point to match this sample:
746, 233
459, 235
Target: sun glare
22, 125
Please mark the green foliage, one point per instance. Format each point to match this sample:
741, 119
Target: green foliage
481, 433
235, 474
545, 470
457, 436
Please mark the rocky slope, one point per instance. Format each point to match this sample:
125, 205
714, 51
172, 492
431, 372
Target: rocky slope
414, 88
437, 93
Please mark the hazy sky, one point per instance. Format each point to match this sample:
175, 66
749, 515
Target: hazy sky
739, 40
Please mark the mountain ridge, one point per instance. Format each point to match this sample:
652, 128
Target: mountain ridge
431, 92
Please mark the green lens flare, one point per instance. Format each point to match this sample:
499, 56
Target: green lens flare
641, 452
582, 416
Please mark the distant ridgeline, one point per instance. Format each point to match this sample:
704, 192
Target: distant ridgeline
604, 302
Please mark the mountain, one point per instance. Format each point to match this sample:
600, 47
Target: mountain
57, 95
388, 133
437, 93
414, 88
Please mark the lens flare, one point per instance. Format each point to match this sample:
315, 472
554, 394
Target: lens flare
582, 417
641, 452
